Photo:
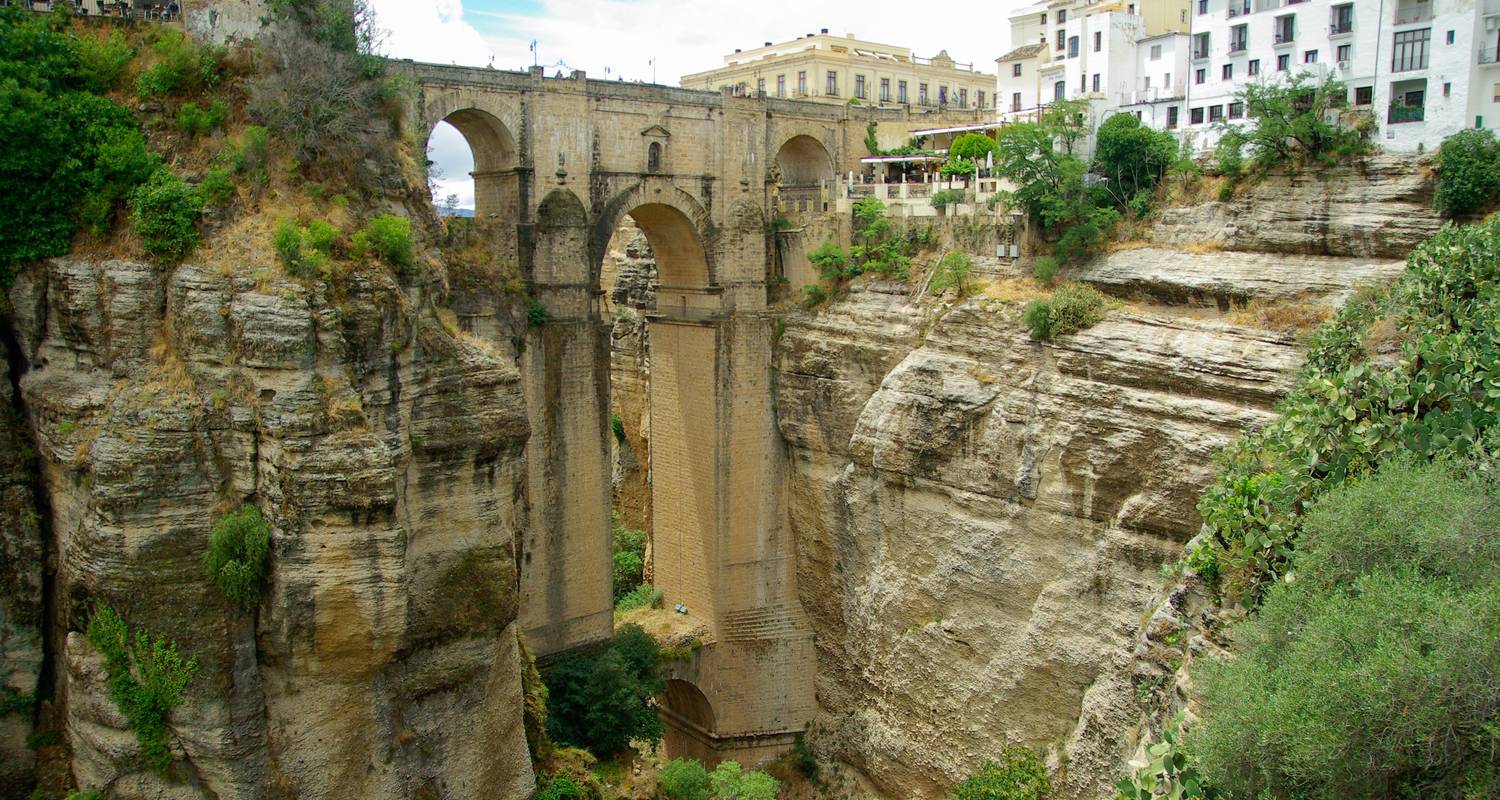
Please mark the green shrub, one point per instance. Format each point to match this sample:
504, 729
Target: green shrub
617, 426
305, 252
147, 677
729, 782
390, 238
601, 703
1037, 317
1169, 772
804, 759
71, 155
683, 779
561, 787
643, 596
943, 198
196, 121
629, 553
953, 273
1132, 157
813, 295
165, 213
1468, 166
180, 66
1349, 412
217, 186
1374, 673
104, 61
1072, 308
1290, 121
536, 313
1018, 774
971, 146
236, 558
1045, 269
831, 260
1087, 233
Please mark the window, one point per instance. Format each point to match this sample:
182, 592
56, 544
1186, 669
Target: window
1450, 37
653, 157
802, 83
1215, 113
1283, 62
942, 95
981, 98
1310, 57
1015, 70
1044, 18
1343, 52
1155, 52
885, 90
1166, 81
1410, 50
859, 86
760, 87
1227, 73
1059, 90
739, 89
1083, 83
1195, 116
781, 86
1239, 38
1364, 95
1171, 117
1096, 82
1254, 67
1343, 19
1202, 7
1015, 102
963, 98
1148, 83
1062, 15
1131, 10
922, 94
1072, 47
1447, 90
1199, 76
1200, 45
1183, 15
831, 87
1099, 41
1062, 38
1497, 92
1236, 110
1286, 28
901, 91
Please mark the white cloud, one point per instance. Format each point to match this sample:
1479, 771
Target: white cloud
433, 30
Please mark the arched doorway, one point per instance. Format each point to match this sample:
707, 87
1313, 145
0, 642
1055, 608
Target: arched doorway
690, 722
804, 170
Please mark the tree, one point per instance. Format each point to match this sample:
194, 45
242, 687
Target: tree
1131, 157
1289, 120
236, 557
601, 703
729, 782
683, 779
1468, 165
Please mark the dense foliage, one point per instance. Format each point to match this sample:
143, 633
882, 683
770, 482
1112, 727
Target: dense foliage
164, 212
389, 237
729, 782
1072, 308
1290, 121
305, 251
683, 779
1132, 158
601, 703
146, 680
1468, 166
629, 558
1018, 774
179, 66
1375, 673
952, 272
71, 154
236, 559
561, 787
1411, 369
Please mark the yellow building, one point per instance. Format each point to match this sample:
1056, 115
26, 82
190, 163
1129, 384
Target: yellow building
843, 69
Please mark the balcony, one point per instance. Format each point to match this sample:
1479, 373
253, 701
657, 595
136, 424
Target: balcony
1235, 48
1400, 114
1489, 55
1284, 37
1413, 14
1199, 55
1341, 29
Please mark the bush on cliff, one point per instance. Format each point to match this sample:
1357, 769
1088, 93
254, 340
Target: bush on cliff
71, 155
236, 560
683, 779
1374, 673
601, 702
164, 212
629, 556
147, 677
1468, 167
729, 782
1018, 774
1072, 308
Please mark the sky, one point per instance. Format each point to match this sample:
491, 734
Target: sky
660, 40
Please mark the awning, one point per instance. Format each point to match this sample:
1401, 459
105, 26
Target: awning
900, 159
989, 126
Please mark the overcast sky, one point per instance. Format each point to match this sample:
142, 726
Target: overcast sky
613, 39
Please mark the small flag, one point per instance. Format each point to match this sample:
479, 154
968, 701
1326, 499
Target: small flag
533, 45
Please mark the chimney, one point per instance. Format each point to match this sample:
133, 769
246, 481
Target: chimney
767, 44
823, 31
736, 49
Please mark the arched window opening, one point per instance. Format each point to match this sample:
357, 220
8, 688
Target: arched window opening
450, 160
653, 158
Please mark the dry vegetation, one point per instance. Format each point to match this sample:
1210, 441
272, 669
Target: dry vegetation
1286, 316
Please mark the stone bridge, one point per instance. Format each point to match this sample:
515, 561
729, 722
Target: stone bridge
558, 164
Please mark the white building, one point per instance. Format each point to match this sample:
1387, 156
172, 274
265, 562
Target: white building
1423, 69
1159, 93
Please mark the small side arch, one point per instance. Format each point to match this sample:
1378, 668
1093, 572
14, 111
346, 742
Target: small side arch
562, 242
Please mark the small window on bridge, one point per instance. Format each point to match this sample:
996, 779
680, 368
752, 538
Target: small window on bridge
653, 157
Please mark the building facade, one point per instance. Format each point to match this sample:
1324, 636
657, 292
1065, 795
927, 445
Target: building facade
1422, 70
843, 69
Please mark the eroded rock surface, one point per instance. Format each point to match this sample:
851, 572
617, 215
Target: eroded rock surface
384, 451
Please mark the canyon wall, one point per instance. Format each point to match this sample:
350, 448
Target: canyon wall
384, 448
981, 519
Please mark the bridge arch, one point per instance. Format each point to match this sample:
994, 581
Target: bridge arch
804, 161
675, 224
562, 239
495, 160
692, 722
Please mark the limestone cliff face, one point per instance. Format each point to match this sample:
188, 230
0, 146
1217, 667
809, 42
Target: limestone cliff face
385, 452
981, 519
